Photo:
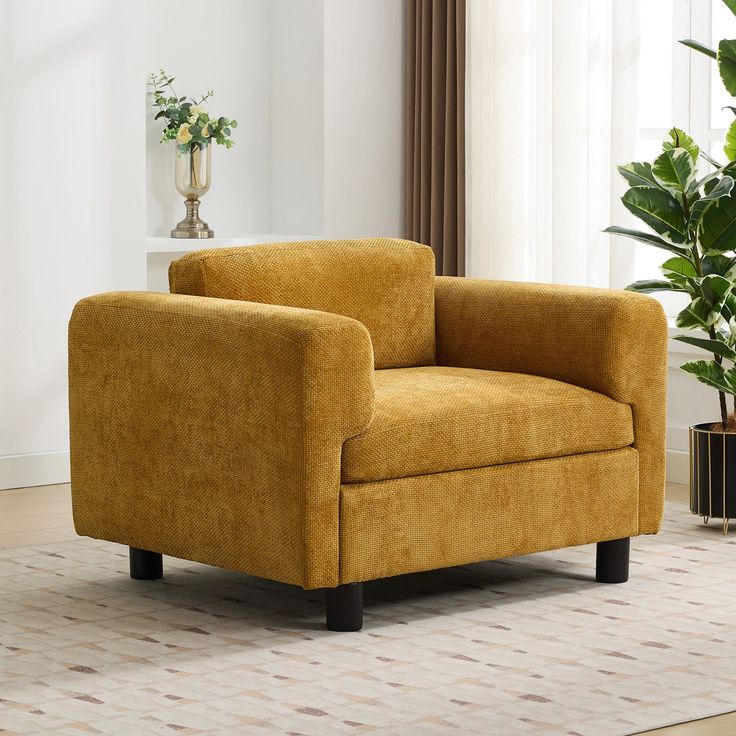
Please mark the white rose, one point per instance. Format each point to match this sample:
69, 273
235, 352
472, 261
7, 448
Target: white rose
196, 111
183, 135
192, 119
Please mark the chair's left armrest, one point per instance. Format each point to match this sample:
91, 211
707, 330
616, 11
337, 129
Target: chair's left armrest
612, 342
211, 429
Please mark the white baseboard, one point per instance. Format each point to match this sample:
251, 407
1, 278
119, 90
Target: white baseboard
678, 466
34, 469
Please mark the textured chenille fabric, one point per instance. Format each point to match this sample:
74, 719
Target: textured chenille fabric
434, 419
611, 342
392, 527
221, 427
211, 429
385, 283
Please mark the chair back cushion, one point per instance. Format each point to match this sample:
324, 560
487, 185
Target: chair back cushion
385, 283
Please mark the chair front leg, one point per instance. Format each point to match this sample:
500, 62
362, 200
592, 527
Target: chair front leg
344, 607
612, 561
145, 565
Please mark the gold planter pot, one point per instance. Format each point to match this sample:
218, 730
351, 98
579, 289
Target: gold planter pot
192, 176
712, 474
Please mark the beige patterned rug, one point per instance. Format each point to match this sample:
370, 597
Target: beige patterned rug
523, 646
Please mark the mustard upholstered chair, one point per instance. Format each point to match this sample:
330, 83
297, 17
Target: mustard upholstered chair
328, 413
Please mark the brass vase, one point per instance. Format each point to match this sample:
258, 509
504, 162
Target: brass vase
192, 175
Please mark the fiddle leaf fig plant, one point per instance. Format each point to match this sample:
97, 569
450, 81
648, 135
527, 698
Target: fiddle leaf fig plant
692, 217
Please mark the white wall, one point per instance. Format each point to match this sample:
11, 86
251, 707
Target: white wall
226, 50
73, 204
297, 145
316, 88
364, 117
337, 117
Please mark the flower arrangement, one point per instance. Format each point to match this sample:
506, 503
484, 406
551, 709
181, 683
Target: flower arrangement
187, 121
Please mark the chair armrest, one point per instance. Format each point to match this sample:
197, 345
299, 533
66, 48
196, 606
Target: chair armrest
612, 342
211, 429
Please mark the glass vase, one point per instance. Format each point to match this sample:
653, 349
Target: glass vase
192, 176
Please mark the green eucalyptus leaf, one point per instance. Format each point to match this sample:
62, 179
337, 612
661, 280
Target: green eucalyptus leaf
717, 347
697, 46
718, 225
658, 209
678, 138
720, 188
647, 286
727, 64
648, 238
674, 168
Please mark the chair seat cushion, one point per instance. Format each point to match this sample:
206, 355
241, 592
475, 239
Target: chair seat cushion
435, 419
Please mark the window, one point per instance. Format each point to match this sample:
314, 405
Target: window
680, 87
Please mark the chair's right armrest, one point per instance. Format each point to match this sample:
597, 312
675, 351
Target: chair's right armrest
612, 342
211, 429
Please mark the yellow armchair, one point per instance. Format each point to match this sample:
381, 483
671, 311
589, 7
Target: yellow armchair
329, 413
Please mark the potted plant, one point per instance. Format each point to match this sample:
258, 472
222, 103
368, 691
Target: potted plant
187, 122
694, 218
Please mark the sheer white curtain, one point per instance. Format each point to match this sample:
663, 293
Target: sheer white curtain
551, 109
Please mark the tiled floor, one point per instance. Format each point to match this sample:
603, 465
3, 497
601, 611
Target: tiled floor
30, 516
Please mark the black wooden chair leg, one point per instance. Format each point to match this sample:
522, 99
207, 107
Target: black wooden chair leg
612, 561
145, 565
344, 606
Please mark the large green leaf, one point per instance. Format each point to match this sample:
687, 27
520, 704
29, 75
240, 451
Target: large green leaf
699, 314
674, 168
681, 271
712, 374
658, 209
718, 225
648, 238
678, 138
697, 184
731, 5
691, 43
722, 188
638, 174
717, 347
683, 266
729, 145
647, 286
727, 64
720, 264
715, 289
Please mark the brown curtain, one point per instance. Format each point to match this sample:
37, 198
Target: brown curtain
435, 129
